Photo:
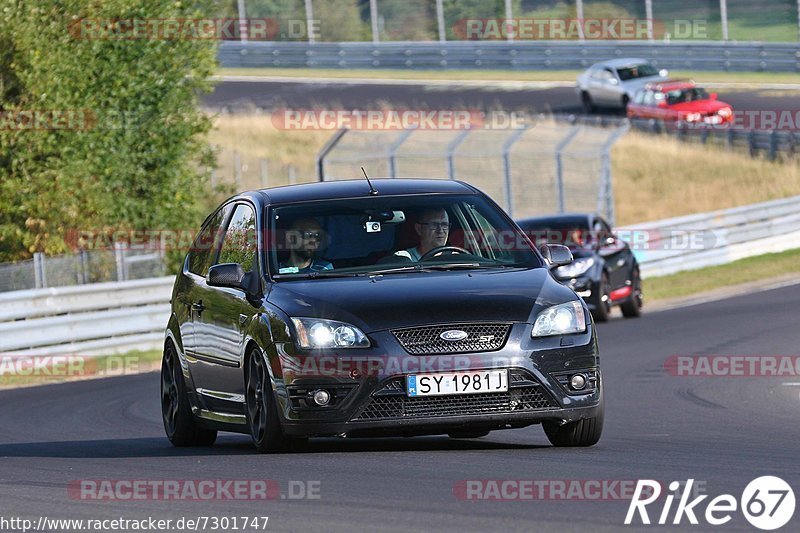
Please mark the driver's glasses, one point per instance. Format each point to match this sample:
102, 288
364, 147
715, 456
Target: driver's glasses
317, 235
436, 226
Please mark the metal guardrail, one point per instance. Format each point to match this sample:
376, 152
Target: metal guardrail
105, 318
518, 55
101, 318
757, 143
715, 238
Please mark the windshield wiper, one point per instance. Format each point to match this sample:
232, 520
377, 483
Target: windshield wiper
319, 274
432, 267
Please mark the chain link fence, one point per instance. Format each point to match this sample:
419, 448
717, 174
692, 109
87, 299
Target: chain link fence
443, 20
536, 170
95, 266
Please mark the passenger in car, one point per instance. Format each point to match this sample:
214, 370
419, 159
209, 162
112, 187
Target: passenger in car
433, 229
304, 238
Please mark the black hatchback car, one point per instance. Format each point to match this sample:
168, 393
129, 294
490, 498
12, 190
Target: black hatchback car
604, 272
341, 309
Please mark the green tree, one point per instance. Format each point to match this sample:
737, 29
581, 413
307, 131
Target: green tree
140, 159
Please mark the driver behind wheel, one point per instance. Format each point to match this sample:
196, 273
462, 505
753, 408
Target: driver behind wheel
433, 228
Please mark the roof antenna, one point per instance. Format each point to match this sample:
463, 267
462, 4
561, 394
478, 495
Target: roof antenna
372, 189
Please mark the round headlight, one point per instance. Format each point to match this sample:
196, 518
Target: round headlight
321, 334
322, 397
344, 336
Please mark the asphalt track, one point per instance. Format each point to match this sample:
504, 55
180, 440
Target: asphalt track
247, 96
724, 431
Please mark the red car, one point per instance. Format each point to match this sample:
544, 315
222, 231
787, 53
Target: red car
679, 101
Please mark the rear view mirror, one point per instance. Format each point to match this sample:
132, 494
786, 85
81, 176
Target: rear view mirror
713, 96
556, 254
228, 275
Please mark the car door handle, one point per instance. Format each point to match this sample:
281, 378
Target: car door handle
198, 306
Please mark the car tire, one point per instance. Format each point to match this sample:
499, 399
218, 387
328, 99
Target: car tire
176, 413
262, 409
601, 300
584, 432
586, 102
467, 434
632, 307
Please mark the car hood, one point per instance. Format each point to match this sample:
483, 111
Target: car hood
410, 299
700, 106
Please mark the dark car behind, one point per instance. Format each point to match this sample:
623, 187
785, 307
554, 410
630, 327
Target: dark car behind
604, 273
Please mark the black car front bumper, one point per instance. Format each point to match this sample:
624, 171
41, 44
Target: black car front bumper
377, 404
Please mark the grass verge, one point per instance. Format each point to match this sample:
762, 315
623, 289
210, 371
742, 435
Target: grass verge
705, 77
746, 270
41, 370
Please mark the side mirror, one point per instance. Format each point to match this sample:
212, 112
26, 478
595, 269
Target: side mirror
556, 254
662, 104
713, 96
663, 73
613, 81
229, 275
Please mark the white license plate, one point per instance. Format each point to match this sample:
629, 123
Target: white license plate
457, 383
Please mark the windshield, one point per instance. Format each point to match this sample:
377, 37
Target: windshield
645, 70
571, 233
680, 96
377, 235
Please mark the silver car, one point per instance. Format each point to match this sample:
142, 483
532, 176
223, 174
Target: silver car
613, 83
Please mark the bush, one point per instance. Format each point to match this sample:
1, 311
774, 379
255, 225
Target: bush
141, 160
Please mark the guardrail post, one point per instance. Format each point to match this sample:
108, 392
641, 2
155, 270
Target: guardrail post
440, 21
119, 257
309, 21
773, 145
560, 166
332, 142
751, 142
507, 190
242, 21
605, 197
723, 16
730, 138
373, 15
83, 259
393, 151
451, 148
40, 277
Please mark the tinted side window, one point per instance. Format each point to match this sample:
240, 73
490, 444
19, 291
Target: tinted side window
206, 244
239, 245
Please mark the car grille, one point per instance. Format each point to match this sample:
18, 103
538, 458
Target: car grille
391, 402
427, 341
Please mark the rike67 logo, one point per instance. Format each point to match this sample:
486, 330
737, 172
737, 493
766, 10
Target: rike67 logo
767, 503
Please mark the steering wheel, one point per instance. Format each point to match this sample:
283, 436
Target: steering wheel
441, 249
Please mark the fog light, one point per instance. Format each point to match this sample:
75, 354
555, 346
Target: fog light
577, 382
322, 397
